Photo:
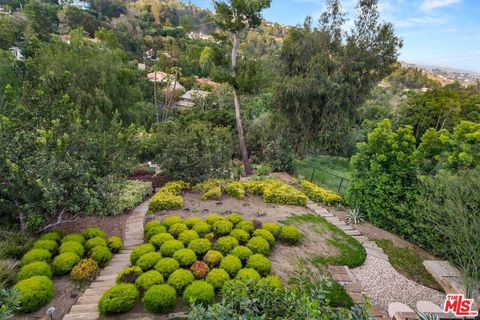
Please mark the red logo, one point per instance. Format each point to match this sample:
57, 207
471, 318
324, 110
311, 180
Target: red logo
459, 306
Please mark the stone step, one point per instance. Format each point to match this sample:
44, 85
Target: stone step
102, 284
84, 308
338, 269
345, 227
353, 232
325, 214
376, 254
90, 299
341, 277
354, 287
357, 298
82, 316
361, 239
106, 277
94, 291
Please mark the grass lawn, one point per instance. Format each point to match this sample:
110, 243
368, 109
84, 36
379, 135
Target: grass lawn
337, 167
408, 263
352, 253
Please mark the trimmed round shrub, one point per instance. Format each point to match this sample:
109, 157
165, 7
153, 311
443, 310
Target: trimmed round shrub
186, 257
273, 227
190, 222
222, 227
177, 228
95, 242
36, 255
290, 235
260, 263
52, 235
217, 278
50, 245
243, 253
151, 224
213, 218
231, 264
90, 233
77, 237
213, 258
159, 239
149, 260
129, 275
202, 228
199, 292
246, 225
34, 293
169, 247
118, 299
226, 244
160, 298
199, 270
180, 279
209, 236
234, 218
148, 279
265, 234
200, 246
101, 255
85, 270
140, 251
241, 235
37, 268
72, 246
271, 281
166, 266
115, 244
170, 221
187, 236
248, 273
155, 230
64, 263
259, 245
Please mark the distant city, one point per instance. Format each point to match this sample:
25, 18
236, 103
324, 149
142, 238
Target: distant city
447, 75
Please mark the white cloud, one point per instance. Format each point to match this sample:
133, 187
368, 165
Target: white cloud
433, 4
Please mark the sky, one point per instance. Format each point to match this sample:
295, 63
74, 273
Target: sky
443, 33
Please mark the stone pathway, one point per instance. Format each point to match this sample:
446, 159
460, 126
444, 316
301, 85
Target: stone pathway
86, 307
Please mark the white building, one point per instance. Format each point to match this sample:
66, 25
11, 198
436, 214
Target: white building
83, 5
188, 100
17, 52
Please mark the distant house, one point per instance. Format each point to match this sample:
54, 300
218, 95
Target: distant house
207, 82
149, 54
199, 35
187, 100
82, 5
159, 76
17, 52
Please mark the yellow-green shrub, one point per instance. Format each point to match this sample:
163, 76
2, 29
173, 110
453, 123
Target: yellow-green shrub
200, 246
273, 227
180, 279
169, 247
160, 298
187, 236
214, 193
94, 242
85, 270
191, 221
207, 185
290, 235
177, 228
186, 257
234, 218
151, 224
159, 239
248, 273
74, 237
118, 299
199, 292
93, 232
171, 220
226, 244
246, 225
140, 251
101, 255
319, 194
149, 260
259, 245
213, 219
129, 275
36, 255
176, 187
241, 235
231, 264
115, 244
265, 234
64, 263
166, 266
37, 268
50, 245
260, 263
72, 246
213, 258
243, 253
222, 227
34, 293
235, 190
217, 278
165, 200
148, 279
282, 193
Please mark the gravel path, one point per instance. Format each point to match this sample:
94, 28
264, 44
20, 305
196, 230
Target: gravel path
384, 285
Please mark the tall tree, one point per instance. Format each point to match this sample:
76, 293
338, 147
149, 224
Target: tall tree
235, 16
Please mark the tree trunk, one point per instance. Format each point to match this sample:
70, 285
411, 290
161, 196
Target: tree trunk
236, 100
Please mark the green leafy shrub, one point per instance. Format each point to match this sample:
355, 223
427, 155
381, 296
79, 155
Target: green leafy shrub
101, 255
213, 258
187, 236
211, 220
35, 292
186, 257
9, 303
282, 193
254, 187
235, 190
84, 271
226, 244
177, 228
166, 266
290, 235
319, 194
154, 231
214, 193
191, 221
114, 244
160, 298
217, 278
234, 218
129, 275
13, 245
199, 292
169, 247
149, 260
210, 236
95, 242
180, 279
151, 224
207, 185
140, 251
222, 227
77, 237
176, 187
159, 239
37, 268
231, 264
171, 220
52, 235
246, 226
260, 263
130, 194
259, 245
199, 270
36, 255
265, 234
243, 253
271, 281
50, 245
274, 228
118, 299
200, 246
72, 246
202, 228
91, 232
248, 273
64, 263
241, 235
165, 200
148, 279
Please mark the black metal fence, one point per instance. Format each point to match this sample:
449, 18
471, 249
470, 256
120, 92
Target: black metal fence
321, 176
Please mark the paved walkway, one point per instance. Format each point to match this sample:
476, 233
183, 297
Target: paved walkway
86, 307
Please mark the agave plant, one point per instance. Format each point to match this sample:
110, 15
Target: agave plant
355, 216
428, 316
